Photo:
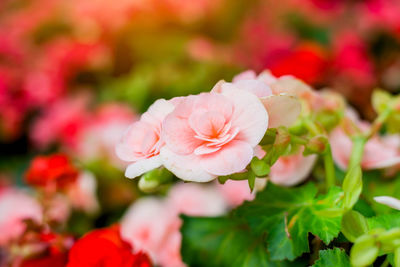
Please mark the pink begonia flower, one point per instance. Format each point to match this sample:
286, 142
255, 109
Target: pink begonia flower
283, 108
61, 122
152, 224
97, 139
351, 59
212, 134
379, 152
16, 206
82, 194
235, 192
59, 208
388, 201
141, 142
292, 169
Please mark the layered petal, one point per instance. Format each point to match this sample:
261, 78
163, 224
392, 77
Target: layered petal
283, 110
249, 116
142, 166
185, 167
234, 157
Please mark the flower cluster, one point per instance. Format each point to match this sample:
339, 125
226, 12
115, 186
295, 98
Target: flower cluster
201, 137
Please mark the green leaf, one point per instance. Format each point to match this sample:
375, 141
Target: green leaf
222, 242
287, 215
259, 167
352, 187
354, 225
364, 251
386, 221
332, 257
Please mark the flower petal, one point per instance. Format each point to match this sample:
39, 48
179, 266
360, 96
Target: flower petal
388, 201
185, 167
283, 110
231, 158
142, 166
249, 116
291, 170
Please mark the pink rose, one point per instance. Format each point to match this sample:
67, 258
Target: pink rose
379, 151
16, 206
212, 134
141, 142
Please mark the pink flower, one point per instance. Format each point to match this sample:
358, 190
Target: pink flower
379, 151
293, 169
152, 224
82, 194
16, 206
61, 122
351, 60
195, 200
235, 192
282, 106
100, 135
212, 134
141, 142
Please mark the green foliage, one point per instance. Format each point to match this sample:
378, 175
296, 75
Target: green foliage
288, 215
352, 187
332, 257
222, 242
354, 225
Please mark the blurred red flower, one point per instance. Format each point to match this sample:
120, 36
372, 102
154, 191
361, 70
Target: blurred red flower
55, 170
307, 62
104, 247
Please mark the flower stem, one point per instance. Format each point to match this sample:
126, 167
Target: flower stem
357, 151
329, 168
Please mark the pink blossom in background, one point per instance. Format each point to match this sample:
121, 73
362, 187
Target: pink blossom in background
141, 142
292, 169
212, 134
61, 122
152, 224
351, 60
379, 152
48, 79
83, 193
381, 14
16, 206
235, 192
98, 138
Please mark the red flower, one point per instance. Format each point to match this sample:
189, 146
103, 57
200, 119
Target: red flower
53, 260
51, 170
307, 62
104, 247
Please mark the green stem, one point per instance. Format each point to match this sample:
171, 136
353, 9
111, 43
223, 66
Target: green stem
311, 127
357, 151
329, 168
298, 140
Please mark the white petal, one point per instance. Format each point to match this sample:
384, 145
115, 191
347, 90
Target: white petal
388, 201
185, 167
283, 110
142, 166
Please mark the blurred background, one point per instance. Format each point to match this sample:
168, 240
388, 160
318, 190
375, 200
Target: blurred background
75, 73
